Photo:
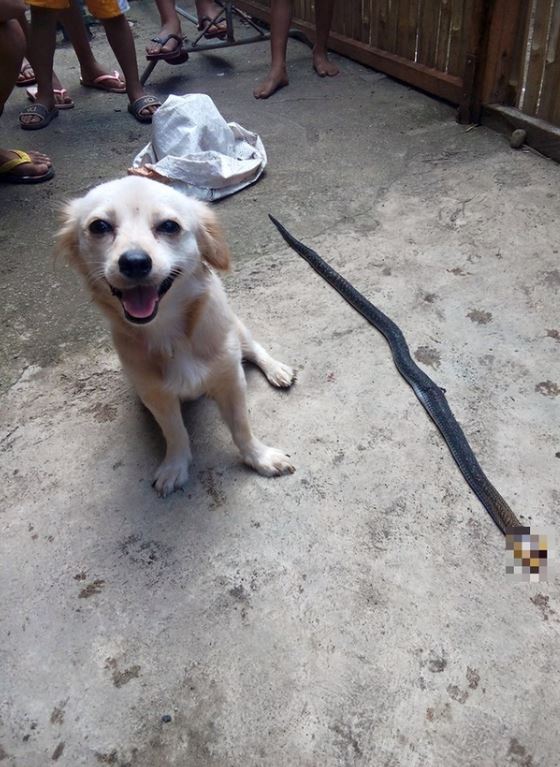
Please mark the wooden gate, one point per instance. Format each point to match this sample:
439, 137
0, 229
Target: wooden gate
431, 44
520, 85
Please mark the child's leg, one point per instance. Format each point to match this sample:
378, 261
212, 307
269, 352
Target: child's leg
90, 68
323, 18
170, 25
42, 41
121, 41
61, 98
206, 10
12, 48
281, 17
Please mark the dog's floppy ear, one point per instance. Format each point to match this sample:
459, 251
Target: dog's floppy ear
67, 235
211, 241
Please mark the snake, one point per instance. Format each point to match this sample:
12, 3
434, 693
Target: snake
431, 396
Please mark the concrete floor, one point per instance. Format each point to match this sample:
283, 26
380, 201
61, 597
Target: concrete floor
357, 612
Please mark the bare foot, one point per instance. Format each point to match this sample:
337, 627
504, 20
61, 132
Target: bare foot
96, 76
322, 65
277, 78
39, 166
26, 75
147, 171
28, 117
173, 28
62, 99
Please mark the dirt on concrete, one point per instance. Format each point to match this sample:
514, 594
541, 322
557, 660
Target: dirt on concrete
357, 612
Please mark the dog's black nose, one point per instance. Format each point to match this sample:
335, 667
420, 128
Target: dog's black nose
135, 264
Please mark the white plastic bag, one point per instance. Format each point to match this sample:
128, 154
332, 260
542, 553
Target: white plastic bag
198, 152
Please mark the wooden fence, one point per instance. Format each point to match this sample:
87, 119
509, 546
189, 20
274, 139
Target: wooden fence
498, 60
427, 43
519, 78
535, 76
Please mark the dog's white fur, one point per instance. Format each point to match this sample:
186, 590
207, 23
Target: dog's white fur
195, 343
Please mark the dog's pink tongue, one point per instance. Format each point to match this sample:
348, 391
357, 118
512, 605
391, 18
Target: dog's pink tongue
140, 301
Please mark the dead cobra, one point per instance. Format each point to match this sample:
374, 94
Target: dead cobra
431, 396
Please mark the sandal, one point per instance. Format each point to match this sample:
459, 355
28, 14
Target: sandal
26, 76
212, 29
61, 98
137, 107
176, 56
46, 116
101, 83
8, 177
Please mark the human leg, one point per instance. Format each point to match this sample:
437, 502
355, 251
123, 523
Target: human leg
121, 41
12, 48
207, 10
16, 165
92, 72
323, 18
281, 18
26, 75
170, 25
42, 42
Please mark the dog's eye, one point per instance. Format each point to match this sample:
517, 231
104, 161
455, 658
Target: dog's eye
99, 226
168, 227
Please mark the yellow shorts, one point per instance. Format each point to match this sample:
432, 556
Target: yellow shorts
101, 9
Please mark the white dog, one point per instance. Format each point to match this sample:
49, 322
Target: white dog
148, 255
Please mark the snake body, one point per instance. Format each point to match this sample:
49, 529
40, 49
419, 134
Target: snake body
431, 396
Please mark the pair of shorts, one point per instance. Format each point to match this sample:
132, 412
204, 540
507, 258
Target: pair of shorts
101, 9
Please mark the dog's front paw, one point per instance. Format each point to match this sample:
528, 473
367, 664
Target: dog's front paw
172, 475
270, 462
280, 375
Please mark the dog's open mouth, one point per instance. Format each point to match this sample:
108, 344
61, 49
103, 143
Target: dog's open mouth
141, 302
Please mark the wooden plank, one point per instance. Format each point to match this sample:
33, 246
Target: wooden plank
549, 105
427, 37
476, 46
444, 31
374, 31
382, 24
496, 86
460, 17
392, 25
552, 82
351, 18
541, 135
540, 23
365, 20
406, 33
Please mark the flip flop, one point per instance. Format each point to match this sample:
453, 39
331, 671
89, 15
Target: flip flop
64, 100
24, 80
100, 83
46, 116
212, 29
176, 56
137, 106
7, 177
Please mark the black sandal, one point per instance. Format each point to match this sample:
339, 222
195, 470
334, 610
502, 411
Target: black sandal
176, 56
137, 106
212, 29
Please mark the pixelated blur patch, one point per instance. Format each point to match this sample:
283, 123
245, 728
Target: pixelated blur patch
527, 555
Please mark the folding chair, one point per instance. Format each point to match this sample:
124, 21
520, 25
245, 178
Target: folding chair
228, 12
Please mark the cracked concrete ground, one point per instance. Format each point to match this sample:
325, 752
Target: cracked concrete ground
357, 612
